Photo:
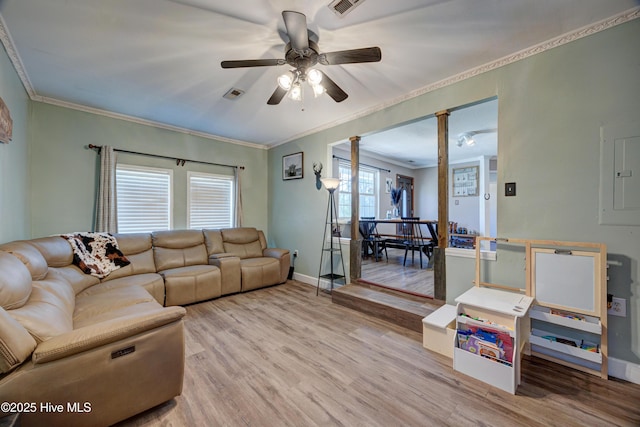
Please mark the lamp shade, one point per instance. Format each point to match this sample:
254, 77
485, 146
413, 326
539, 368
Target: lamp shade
330, 183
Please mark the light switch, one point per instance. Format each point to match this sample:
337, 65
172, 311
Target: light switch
510, 189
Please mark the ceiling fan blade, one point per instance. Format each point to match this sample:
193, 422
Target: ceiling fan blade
252, 63
332, 89
353, 56
277, 96
296, 24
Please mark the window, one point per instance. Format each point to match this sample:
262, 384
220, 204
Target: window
144, 198
210, 201
368, 179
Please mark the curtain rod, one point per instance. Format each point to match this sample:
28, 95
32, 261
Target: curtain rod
363, 164
179, 162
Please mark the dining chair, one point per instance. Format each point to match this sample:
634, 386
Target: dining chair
371, 238
413, 239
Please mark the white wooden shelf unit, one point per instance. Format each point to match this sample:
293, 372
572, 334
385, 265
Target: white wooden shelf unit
569, 279
501, 311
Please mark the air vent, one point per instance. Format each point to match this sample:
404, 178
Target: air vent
233, 93
493, 165
342, 7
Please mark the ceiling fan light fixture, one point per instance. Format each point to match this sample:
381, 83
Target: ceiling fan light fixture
318, 90
285, 81
466, 138
470, 141
296, 92
314, 77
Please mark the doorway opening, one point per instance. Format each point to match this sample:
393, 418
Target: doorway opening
406, 158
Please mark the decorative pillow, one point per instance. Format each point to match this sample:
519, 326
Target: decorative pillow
96, 253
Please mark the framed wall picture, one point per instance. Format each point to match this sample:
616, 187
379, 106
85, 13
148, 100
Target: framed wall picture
292, 166
388, 185
465, 181
6, 123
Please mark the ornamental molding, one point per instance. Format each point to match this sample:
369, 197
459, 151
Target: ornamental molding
9, 46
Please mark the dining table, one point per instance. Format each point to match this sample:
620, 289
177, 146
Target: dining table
432, 225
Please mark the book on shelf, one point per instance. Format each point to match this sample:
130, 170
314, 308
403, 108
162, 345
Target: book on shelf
567, 315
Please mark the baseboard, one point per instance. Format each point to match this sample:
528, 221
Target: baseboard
325, 284
313, 281
624, 370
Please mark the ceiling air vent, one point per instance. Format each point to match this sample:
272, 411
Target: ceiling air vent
342, 7
233, 93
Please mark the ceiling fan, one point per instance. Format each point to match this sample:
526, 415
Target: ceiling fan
302, 53
468, 138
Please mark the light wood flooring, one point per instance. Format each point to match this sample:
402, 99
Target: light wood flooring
393, 274
283, 357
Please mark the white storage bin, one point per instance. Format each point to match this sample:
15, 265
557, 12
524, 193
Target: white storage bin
438, 330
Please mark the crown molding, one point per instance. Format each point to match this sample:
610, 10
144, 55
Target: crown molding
568, 37
9, 47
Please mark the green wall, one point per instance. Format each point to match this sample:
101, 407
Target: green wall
64, 171
14, 158
551, 107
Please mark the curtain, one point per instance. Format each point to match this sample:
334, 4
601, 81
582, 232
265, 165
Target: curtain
106, 212
238, 215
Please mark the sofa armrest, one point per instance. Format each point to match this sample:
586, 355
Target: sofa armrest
102, 333
275, 252
282, 255
230, 272
221, 255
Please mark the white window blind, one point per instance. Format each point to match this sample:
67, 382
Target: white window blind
368, 177
210, 203
144, 198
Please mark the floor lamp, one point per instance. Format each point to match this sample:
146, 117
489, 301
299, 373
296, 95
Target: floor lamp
331, 184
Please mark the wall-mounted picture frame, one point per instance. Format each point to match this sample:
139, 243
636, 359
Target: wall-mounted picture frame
388, 185
6, 123
293, 166
465, 181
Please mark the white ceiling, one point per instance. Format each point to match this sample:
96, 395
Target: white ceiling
159, 60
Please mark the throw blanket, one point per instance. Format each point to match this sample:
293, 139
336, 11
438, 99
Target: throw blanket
96, 253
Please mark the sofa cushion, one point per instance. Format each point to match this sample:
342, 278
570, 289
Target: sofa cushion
59, 255
138, 249
151, 282
30, 256
242, 242
213, 241
16, 344
178, 248
56, 250
48, 312
78, 280
105, 305
15, 282
185, 285
259, 272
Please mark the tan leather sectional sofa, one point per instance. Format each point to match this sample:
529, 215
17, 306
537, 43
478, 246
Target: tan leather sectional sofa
78, 350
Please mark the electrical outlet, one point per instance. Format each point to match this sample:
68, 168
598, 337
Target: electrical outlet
618, 307
295, 253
